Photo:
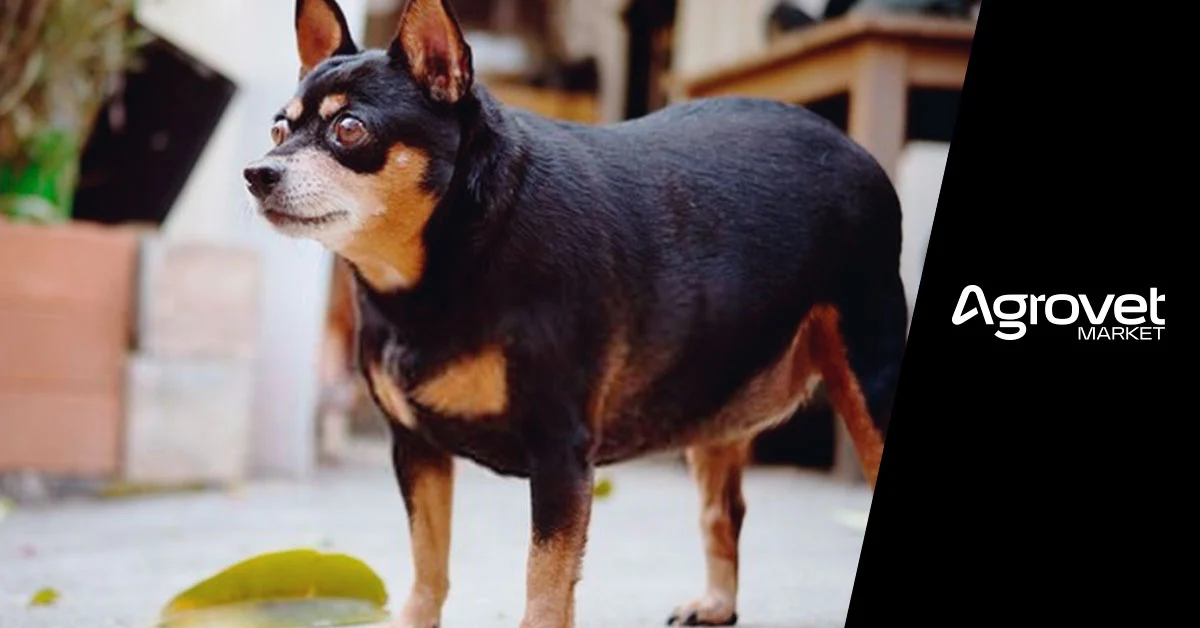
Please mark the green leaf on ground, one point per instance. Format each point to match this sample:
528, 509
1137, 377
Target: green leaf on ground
123, 490
292, 589
299, 613
602, 489
45, 597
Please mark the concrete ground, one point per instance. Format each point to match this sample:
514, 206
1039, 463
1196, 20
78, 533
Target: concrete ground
116, 562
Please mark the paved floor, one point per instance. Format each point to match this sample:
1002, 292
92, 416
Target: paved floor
116, 562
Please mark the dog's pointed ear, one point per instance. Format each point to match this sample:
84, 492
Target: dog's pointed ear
429, 43
321, 32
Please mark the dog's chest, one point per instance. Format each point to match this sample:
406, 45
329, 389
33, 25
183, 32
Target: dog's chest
460, 404
468, 385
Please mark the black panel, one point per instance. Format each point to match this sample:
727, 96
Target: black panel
1046, 480
134, 172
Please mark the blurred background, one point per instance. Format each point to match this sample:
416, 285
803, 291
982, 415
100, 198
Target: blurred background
155, 331
160, 342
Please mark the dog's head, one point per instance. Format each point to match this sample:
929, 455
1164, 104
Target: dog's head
367, 145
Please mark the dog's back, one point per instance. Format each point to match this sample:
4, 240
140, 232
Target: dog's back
713, 228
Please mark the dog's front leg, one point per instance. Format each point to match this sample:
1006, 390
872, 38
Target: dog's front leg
426, 478
561, 492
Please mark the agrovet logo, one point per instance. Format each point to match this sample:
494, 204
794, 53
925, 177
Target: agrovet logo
1136, 315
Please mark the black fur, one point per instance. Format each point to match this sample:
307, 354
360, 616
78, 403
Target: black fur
704, 232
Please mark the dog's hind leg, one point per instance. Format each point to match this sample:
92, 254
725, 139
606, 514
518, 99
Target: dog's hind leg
858, 349
718, 473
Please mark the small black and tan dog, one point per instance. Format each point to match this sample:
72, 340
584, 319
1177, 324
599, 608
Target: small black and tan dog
544, 298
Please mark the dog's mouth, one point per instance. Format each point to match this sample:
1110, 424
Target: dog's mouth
284, 219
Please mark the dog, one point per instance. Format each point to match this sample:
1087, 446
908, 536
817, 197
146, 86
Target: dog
545, 298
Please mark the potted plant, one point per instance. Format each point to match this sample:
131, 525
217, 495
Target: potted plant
66, 288
63, 60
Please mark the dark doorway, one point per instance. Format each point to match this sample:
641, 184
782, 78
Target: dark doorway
148, 139
835, 108
932, 113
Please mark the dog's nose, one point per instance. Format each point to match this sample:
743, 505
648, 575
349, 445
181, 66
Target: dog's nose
262, 178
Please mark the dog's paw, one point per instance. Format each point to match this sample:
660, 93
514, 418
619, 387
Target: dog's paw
535, 623
709, 610
417, 613
408, 622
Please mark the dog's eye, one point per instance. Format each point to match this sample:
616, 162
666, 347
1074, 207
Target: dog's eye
279, 132
350, 131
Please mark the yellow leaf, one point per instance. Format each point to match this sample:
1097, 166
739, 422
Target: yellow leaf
603, 488
45, 597
292, 589
6, 506
120, 490
297, 613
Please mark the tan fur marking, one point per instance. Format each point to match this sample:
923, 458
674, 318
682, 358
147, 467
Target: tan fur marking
717, 470
473, 387
613, 382
553, 570
771, 397
387, 249
829, 353
318, 34
626, 372
294, 109
817, 353
388, 212
429, 523
390, 396
332, 104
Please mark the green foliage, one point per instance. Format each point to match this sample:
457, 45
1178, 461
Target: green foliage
39, 186
63, 59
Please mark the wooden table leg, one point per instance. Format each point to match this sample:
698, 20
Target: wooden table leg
879, 102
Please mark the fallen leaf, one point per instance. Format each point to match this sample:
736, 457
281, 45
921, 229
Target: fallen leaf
6, 506
122, 490
297, 613
291, 589
44, 597
603, 488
